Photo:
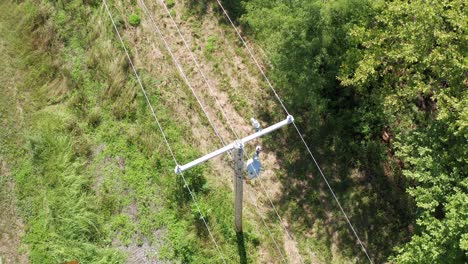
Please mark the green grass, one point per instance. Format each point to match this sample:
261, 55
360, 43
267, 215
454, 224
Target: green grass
170, 3
134, 20
93, 173
210, 45
64, 222
173, 13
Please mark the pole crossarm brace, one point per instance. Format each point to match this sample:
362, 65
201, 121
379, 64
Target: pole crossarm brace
181, 168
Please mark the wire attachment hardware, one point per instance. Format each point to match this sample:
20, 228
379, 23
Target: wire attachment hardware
255, 124
254, 166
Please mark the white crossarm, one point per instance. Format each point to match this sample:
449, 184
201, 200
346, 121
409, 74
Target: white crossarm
180, 168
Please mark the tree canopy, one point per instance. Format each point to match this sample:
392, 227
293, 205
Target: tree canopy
384, 69
412, 59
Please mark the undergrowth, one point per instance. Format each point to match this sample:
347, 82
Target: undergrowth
94, 176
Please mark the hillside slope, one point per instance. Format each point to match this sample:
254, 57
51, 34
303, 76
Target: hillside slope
92, 179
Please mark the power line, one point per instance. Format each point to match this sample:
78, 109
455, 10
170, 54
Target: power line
269, 230
200, 70
295, 126
179, 67
199, 102
160, 128
224, 115
277, 214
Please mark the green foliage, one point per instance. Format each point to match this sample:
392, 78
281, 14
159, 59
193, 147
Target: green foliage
234, 7
210, 44
64, 221
173, 13
170, 3
360, 71
94, 117
124, 227
94, 176
411, 60
134, 20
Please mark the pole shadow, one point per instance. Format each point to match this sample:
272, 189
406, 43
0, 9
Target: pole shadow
241, 247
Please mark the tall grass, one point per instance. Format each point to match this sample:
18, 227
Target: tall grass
95, 175
58, 204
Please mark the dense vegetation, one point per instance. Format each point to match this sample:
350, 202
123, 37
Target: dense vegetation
381, 87
92, 177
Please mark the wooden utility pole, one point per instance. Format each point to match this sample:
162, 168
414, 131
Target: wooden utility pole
254, 168
238, 184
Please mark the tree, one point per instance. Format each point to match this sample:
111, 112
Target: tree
411, 60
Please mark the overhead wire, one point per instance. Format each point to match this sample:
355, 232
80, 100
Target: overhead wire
179, 67
161, 130
223, 113
226, 117
249, 50
265, 224
197, 65
277, 214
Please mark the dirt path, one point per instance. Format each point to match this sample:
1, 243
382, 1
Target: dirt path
11, 227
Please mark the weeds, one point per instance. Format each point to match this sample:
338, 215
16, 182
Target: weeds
95, 169
170, 3
60, 209
94, 117
134, 20
210, 45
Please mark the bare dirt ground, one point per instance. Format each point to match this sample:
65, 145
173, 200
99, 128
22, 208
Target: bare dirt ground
231, 75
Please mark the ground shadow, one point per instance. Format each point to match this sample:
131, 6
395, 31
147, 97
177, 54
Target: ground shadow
241, 247
234, 8
363, 176
359, 168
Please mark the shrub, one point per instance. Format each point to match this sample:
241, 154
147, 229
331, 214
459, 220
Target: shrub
134, 20
170, 3
211, 44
